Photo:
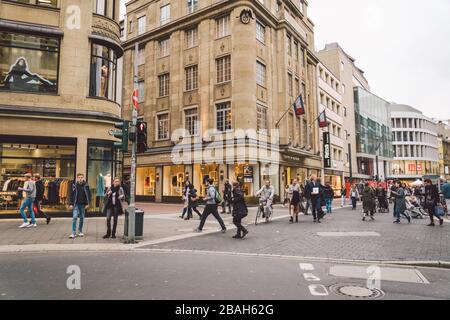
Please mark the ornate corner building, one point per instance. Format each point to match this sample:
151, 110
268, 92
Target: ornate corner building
58, 95
225, 66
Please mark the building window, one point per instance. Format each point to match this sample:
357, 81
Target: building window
191, 78
130, 29
260, 32
223, 115
164, 48
297, 87
192, 5
223, 27
141, 90
191, 121
164, 85
141, 55
142, 25
163, 126
191, 37
100, 6
290, 84
103, 72
296, 50
260, 74
223, 67
289, 45
28, 63
261, 119
165, 14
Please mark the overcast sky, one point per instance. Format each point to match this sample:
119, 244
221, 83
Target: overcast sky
402, 45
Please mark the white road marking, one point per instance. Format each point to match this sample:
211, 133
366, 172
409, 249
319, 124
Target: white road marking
349, 234
318, 290
306, 266
310, 277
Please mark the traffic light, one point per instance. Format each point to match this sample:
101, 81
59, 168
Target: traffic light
122, 134
141, 136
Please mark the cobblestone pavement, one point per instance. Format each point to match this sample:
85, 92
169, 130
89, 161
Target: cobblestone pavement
372, 240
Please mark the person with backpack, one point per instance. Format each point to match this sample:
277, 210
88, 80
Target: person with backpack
40, 188
431, 202
213, 199
29, 194
240, 211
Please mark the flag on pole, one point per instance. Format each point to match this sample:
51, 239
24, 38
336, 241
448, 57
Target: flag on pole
299, 107
135, 99
323, 122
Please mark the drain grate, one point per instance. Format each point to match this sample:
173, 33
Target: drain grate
356, 291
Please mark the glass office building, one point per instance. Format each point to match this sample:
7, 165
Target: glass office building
373, 133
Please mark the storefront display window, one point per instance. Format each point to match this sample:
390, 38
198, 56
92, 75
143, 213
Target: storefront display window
55, 163
245, 175
28, 63
335, 182
202, 173
100, 174
173, 180
103, 72
146, 181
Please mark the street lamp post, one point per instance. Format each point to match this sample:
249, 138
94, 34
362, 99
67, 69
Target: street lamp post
350, 167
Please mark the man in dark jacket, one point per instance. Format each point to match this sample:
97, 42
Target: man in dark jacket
316, 198
240, 211
308, 190
226, 197
40, 188
79, 202
431, 201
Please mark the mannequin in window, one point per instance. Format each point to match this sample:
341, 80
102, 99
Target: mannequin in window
100, 185
104, 81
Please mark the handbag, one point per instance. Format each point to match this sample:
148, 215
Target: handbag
439, 211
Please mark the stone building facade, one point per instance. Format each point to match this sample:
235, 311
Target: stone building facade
227, 66
57, 95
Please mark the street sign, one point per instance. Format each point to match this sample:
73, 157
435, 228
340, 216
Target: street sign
326, 150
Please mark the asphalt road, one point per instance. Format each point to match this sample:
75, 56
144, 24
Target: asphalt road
201, 276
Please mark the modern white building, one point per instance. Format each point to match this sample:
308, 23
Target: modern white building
330, 100
415, 142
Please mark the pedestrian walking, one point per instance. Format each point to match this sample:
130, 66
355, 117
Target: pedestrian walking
307, 195
343, 195
446, 193
354, 195
368, 200
113, 207
328, 195
287, 195
227, 194
211, 207
193, 202
316, 198
399, 194
294, 203
40, 189
185, 199
240, 211
431, 202
29, 195
79, 202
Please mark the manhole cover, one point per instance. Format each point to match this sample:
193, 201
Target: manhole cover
356, 291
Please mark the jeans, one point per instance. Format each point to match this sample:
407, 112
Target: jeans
328, 204
399, 212
308, 204
211, 209
315, 204
27, 203
112, 213
78, 210
353, 203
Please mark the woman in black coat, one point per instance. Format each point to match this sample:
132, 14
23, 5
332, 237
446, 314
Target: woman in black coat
113, 207
431, 201
240, 211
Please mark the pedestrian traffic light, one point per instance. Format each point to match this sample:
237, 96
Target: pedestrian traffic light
141, 136
122, 134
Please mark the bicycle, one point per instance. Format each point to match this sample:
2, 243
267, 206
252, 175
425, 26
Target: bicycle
260, 212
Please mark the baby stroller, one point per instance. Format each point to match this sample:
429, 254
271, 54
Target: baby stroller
382, 204
413, 208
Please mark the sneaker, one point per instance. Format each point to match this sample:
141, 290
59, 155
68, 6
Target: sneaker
224, 231
244, 234
24, 225
81, 234
397, 221
72, 236
49, 219
32, 225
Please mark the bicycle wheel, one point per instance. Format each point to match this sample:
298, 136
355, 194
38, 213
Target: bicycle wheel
258, 214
